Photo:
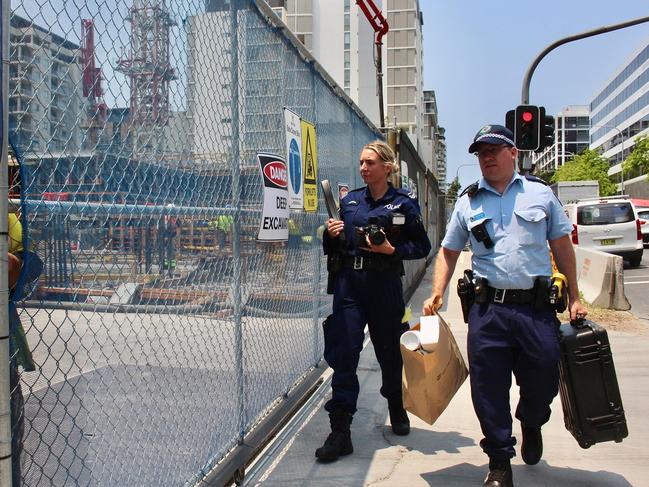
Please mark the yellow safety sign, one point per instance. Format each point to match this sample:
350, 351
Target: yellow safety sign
310, 161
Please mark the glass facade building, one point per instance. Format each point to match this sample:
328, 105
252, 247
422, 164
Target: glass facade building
620, 111
570, 138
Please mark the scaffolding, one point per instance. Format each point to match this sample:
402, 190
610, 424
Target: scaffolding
149, 71
96, 110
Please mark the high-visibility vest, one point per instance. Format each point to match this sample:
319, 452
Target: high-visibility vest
15, 233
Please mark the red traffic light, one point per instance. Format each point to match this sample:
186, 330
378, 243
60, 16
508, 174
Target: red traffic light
526, 129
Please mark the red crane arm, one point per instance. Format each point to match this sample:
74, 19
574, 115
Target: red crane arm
375, 18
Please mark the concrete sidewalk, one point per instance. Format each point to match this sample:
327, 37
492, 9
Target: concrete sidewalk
448, 453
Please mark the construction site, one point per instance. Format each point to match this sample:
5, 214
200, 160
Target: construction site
126, 213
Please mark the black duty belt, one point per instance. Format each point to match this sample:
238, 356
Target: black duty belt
370, 263
510, 296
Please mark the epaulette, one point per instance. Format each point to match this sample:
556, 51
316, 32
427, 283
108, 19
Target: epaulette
406, 192
470, 190
535, 179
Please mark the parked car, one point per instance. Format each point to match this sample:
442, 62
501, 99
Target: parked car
609, 224
643, 213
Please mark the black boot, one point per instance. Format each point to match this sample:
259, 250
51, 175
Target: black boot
339, 441
532, 447
500, 474
398, 417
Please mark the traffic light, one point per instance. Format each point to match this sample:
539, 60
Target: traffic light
547, 130
527, 127
509, 120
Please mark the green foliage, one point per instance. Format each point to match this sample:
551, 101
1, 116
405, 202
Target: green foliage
588, 165
545, 175
453, 190
638, 161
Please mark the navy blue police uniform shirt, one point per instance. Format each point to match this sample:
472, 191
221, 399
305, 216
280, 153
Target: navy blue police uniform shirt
519, 222
397, 213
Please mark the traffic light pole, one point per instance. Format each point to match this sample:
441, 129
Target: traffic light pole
525, 95
525, 160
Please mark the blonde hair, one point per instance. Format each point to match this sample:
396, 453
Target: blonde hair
385, 153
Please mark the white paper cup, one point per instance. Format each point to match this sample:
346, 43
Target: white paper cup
410, 340
429, 332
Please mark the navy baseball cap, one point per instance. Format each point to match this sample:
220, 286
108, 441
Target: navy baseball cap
492, 134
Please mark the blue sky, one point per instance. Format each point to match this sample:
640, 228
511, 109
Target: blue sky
477, 53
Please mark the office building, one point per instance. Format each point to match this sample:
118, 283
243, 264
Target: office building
619, 113
210, 126
571, 137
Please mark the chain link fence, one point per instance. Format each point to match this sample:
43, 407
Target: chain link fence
161, 329
424, 185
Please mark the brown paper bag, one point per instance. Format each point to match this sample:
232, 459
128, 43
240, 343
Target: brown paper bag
430, 380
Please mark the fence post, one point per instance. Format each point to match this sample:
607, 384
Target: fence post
5, 407
236, 225
316, 249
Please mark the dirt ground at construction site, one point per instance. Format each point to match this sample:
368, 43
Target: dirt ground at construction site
623, 321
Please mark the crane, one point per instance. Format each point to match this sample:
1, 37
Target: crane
381, 27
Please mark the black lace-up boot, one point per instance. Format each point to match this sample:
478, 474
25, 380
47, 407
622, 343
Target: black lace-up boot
398, 417
339, 441
532, 447
500, 474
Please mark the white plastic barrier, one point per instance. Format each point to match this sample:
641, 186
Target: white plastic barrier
601, 279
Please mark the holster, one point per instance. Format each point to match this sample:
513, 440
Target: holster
541, 292
481, 290
334, 264
466, 293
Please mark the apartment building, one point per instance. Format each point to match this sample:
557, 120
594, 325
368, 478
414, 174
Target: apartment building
571, 136
433, 142
405, 80
339, 36
45, 102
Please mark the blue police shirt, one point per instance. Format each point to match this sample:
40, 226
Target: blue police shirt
397, 212
519, 222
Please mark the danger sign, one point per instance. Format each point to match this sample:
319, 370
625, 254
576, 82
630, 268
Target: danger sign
274, 218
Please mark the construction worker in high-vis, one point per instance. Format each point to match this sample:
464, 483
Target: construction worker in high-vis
24, 267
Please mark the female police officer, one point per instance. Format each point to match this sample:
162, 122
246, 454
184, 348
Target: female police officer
379, 226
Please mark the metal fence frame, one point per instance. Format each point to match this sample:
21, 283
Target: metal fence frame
267, 417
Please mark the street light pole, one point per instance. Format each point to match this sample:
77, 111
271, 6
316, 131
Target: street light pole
457, 173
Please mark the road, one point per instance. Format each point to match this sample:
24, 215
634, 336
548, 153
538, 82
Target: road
636, 284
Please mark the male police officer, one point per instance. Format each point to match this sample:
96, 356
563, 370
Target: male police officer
508, 219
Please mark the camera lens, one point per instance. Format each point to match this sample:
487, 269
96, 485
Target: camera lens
376, 236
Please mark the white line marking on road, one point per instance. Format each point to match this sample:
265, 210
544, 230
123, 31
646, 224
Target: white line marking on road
635, 282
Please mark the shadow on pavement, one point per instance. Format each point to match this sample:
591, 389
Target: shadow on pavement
542, 474
433, 442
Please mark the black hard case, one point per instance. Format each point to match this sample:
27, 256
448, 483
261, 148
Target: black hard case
590, 395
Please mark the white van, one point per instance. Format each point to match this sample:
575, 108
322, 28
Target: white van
609, 224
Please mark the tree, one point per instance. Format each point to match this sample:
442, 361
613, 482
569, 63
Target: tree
587, 166
545, 175
638, 161
453, 190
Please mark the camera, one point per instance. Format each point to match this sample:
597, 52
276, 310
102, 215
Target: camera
372, 230
481, 235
